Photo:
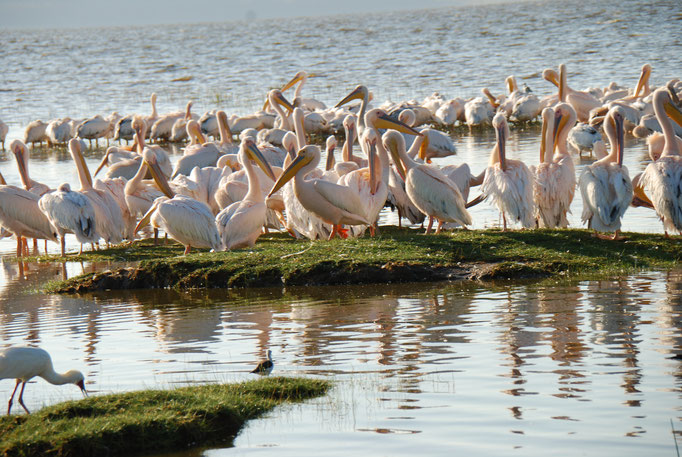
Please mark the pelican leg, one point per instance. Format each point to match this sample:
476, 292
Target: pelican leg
63, 244
156, 236
35, 246
439, 227
21, 398
20, 251
400, 219
338, 230
187, 249
504, 223
428, 229
45, 247
11, 398
24, 245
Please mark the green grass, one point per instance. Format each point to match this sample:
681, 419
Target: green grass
396, 255
149, 421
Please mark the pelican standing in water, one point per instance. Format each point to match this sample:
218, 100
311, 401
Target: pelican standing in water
663, 178
509, 182
554, 183
605, 185
428, 188
241, 223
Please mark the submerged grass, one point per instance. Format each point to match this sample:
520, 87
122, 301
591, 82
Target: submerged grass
154, 420
396, 255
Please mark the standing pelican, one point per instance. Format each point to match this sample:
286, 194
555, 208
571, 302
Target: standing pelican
509, 182
428, 188
93, 129
360, 92
109, 220
186, 220
309, 104
241, 223
605, 185
663, 178
35, 133
554, 183
3, 133
200, 155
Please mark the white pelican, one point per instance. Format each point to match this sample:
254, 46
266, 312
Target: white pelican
226, 145
582, 102
109, 221
450, 112
436, 144
24, 363
162, 158
20, 215
188, 221
3, 133
479, 111
162, 127
58, 131
663, 178
509, 182
428, 188
241, 223
329, 173
139, 195
359, 93
200, 155
554, 183
605, 185
309, 104
93, 128
35, 132
21, 154
525, 106
70, 212
584, 137
335, 204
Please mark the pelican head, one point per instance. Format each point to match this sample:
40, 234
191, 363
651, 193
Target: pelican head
194, 131
359, 93
275, 97
289, 144
378, 118
549, 74
151, 160
332, 142
511, 84
394, 142
253, 153
221, 116
300, 76
308, 156
20, 152
501, 133
349, 124
643, 81
491, 98
613, 124
407, 117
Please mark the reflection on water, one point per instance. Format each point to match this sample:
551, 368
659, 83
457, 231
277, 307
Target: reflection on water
588, 366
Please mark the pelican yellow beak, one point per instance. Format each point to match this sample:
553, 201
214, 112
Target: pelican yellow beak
254, 153
21, 164
383, 121
281, 101
560, 122
371, 161
294, 80
672, 109
145, 219
620, 138
391, 144
543, 138
2, 180
550, 75
105, 161
159, 178
643, 78
357, 94
639, 193
423, 147
78, 155
501, 135
562, 83
299, 162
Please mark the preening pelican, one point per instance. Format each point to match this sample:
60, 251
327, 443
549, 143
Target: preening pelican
226, 145
241, 223
582, 102
509, 182
479, 111
162, 128
109, 221
21, 154
554, 183
186, 220
436, 144
70, 212
428, 188
35, 133
139, 195
605, 185
58, 131
93, 128
663, 178
584, 137
200, 155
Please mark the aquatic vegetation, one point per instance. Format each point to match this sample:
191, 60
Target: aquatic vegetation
150, 420
395, 255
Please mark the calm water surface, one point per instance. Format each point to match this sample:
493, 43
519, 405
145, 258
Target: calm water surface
521, 369
585, 367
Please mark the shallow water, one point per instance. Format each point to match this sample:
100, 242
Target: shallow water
546, 369
511, 368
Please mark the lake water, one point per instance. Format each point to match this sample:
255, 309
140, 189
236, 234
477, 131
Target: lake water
527, 369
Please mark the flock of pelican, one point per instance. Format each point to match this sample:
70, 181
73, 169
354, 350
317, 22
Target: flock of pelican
221, 195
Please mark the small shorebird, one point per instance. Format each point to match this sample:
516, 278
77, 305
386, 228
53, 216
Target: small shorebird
265, 366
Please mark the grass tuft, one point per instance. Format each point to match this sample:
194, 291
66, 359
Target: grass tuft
153, 420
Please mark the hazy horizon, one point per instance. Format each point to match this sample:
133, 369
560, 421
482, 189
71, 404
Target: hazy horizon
47, 14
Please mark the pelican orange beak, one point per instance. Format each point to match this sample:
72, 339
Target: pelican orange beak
254, 153
383, 121
640, 198
371, 160
490, 97
560, 122
159, 178
358, 93
299, 162
543, 134
330, 159
146, 218
550, 75
423, 147
620, 138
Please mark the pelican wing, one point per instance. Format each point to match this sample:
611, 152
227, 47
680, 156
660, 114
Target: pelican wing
70, 212
20, 213
436, 195
240, 223
190, 222
342, 197
663, 181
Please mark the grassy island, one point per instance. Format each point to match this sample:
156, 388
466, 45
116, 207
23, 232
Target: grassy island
395, 255
149, 421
